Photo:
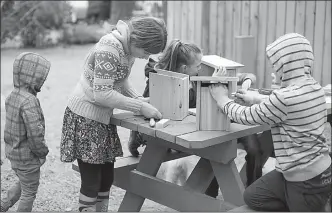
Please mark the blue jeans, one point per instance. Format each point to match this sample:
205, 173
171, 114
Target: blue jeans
28, 173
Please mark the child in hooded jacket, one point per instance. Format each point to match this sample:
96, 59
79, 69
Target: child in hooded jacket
297, 115
24, 133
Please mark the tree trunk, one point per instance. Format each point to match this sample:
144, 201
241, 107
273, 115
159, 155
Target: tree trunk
121, 10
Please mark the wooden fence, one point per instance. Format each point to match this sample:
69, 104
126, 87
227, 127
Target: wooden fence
213, 25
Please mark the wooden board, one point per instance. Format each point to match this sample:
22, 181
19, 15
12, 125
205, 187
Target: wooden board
217, 61
182, 199
220, 79
169, 93
202, 139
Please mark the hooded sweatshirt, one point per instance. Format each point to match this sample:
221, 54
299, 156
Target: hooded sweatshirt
25, 125
296, 113
104, 83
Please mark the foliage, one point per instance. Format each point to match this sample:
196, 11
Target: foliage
31, 20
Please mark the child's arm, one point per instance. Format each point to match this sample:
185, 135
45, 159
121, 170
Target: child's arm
270, 110
105, 73
35, 127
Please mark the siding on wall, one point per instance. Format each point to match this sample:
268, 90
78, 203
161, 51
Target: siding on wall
213, 25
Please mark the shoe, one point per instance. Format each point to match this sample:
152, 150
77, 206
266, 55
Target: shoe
135, 141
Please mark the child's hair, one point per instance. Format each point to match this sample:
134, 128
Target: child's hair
148, 33
178, 53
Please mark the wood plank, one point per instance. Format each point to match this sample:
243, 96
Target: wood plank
176, 128
245, 51
290, 16
270, 37
326, 71
221, 6
243, 208
281, 18
119, 116
191, 21
202, 139
228, 29
184, 20
253, 31
198, 23
229, 182
300, 17
236, 24
177, 17
309, 30
198, 104
182, 199
201, 176
150, 163
319, 40
213, 28
205, 27
145, 128
261, 37
133, 122
170, 20
222, 79
245, 18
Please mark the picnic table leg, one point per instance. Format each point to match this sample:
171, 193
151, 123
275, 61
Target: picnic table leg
149, 164
229, 181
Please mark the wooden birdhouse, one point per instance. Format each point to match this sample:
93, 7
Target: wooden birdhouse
208, 115
169, 93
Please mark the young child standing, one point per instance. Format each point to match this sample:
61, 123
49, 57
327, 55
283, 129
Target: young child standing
87, 134
24, 132
297, 115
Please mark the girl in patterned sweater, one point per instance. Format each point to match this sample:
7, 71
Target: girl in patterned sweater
297, 116
87, 134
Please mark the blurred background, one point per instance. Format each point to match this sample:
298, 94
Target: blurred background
43, 24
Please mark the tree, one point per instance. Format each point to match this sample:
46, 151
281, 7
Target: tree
121, 10
31, 19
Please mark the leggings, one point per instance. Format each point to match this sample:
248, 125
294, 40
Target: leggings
95, 178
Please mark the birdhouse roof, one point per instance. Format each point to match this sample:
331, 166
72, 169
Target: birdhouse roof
217, 61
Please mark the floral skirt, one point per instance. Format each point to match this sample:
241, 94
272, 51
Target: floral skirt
91, 141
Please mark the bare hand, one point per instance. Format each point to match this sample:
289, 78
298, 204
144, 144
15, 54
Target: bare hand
246, 84
150, 111
219, 92
147, 100
245, 96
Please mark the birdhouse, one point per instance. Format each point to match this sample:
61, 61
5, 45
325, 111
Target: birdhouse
208, 115
169, 93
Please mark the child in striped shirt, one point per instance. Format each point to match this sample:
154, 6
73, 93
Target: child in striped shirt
297, 115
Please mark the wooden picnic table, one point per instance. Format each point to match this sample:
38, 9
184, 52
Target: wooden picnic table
216, 149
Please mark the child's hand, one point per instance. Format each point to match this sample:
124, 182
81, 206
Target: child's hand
149, 111
246, 84
147, 100
245, 96
219, 92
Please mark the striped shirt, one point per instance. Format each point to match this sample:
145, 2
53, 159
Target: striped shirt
296, 113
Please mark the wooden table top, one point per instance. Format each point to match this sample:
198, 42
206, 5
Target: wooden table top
184, 132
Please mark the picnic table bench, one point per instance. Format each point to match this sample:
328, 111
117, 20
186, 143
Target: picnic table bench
216, 149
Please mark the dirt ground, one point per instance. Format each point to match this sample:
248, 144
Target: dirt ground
59, 185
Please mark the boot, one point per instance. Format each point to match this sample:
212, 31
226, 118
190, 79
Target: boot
135, 141
102, 201
87, 204
13, 196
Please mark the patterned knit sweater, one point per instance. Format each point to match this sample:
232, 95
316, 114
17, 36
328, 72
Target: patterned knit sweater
297, 112
104, 83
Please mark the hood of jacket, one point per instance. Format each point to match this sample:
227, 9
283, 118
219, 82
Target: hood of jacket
121, 32
292, 55
30, 71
